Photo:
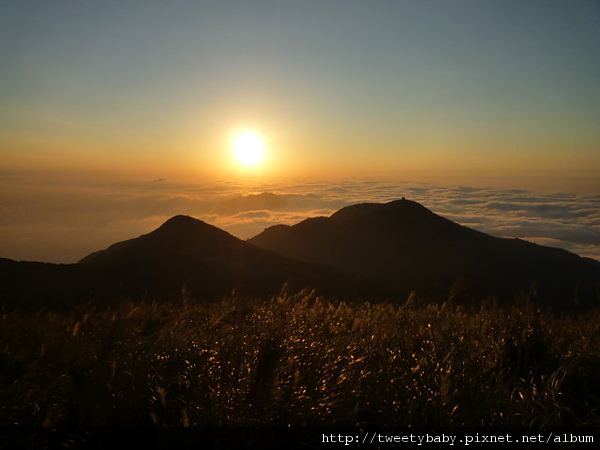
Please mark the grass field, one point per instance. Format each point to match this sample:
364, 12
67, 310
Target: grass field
298, 360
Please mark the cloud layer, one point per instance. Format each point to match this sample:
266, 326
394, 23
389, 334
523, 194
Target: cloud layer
54, 222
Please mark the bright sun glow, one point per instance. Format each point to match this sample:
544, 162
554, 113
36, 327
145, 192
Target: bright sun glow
248, 148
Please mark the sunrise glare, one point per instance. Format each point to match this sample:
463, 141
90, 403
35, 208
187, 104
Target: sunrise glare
248, 148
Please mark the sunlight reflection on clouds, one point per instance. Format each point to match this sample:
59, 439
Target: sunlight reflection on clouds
64, 223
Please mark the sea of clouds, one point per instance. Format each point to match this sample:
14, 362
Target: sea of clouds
62, 222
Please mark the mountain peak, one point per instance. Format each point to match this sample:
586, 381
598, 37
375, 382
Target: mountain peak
187, 227
181, 222
399, 216
181, 219
397, 208
181, 236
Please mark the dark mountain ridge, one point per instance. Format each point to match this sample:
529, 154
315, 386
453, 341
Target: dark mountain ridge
405, 246
210, 263
184, 256
370, 251
180, 237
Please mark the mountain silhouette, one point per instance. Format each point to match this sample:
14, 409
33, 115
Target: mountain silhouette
37, 285
407, 247
184, 256
181, 237
370, 251
207, 262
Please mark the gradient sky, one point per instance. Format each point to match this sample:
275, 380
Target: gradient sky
416, 89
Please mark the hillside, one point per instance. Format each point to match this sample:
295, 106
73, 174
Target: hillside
367, 251
209, 262
184, 257
409, 248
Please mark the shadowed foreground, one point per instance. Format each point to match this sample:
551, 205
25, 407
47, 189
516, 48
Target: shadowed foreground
299, 361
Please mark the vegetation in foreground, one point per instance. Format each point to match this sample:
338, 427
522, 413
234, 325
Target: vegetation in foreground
302, 361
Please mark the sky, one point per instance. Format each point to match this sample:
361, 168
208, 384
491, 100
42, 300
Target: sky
150, 88
108, 101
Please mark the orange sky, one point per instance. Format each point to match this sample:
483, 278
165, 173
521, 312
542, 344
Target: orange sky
416, 90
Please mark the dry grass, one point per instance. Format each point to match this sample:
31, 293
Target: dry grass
301, 361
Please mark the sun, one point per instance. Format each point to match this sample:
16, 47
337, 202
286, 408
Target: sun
248, 148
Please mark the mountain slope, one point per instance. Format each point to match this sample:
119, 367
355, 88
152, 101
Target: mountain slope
409, 248
184, 255
34, 285
209, 262
370, 251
